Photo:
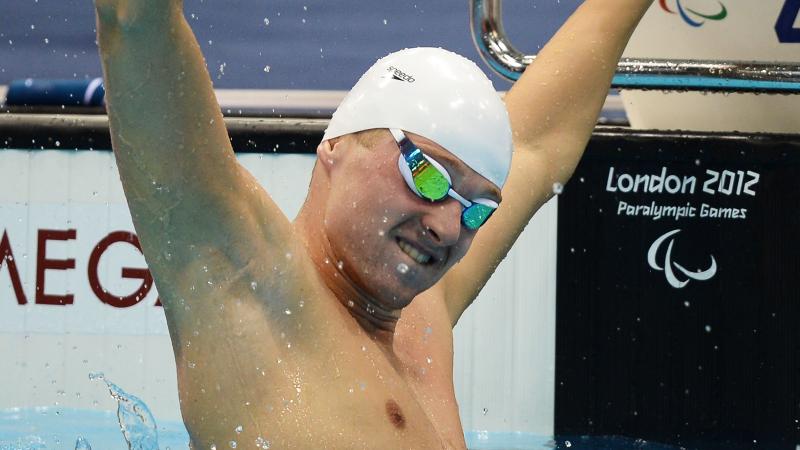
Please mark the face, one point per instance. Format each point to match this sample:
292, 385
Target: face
390, 242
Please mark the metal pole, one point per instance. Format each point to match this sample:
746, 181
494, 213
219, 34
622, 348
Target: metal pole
683, 75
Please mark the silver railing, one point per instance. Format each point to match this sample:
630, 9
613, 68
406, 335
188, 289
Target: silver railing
695, 75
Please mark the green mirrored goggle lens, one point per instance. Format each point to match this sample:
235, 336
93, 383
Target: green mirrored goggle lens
476, 215
430, 183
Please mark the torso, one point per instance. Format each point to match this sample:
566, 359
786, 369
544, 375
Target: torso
316, 379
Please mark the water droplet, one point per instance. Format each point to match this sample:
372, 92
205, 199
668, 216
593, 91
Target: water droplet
429, 360
402, 268
558, 188
385, 219
385, 21
253, 285
238, 429
485, 410
58, 143
288, 312
686, 303
340, 265
266, 21
232, 444
350, 303
191, 364
568, 444
267, 69
288, 255
708, 328
262, 443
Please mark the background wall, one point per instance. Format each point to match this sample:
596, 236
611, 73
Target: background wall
312, 44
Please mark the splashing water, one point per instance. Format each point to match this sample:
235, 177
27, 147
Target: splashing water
82, 444
135, 420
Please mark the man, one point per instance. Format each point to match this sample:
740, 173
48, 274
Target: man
335, 331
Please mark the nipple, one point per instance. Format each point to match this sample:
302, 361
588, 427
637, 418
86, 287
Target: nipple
395, 414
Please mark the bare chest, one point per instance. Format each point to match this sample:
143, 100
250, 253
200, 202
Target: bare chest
404, 394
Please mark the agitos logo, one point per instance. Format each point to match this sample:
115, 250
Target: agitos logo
693, 17
669, 267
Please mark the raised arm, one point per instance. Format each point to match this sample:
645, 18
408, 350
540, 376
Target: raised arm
187, 194
553, 108
210, 234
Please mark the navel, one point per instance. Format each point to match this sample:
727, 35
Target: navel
395, 414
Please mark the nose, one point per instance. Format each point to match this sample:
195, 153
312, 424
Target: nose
442, 222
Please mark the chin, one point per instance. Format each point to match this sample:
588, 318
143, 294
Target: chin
395, 290
415, 282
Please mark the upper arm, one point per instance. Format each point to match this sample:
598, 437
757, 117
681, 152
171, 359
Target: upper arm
528, 187
553, 109
191, 202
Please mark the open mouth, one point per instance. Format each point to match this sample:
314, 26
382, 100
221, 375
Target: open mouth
415, 253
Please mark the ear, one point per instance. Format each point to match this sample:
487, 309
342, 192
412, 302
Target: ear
329, 152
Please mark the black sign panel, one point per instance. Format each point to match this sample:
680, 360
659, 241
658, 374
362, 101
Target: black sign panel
678, 293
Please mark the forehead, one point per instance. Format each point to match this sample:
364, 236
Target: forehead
455, 166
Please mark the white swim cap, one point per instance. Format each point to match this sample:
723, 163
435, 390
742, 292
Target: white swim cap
436, 94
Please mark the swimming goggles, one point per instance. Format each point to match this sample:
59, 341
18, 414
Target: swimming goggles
429, 180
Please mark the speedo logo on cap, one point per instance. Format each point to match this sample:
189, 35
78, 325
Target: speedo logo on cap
398, 74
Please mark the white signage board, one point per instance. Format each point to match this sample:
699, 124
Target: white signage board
723, 30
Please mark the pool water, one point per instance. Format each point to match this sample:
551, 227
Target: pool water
59, 428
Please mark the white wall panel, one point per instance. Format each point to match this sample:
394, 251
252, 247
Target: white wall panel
505, 342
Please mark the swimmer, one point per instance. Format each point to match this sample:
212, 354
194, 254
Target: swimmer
335, 330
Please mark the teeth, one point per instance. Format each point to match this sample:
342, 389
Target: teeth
415, 254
